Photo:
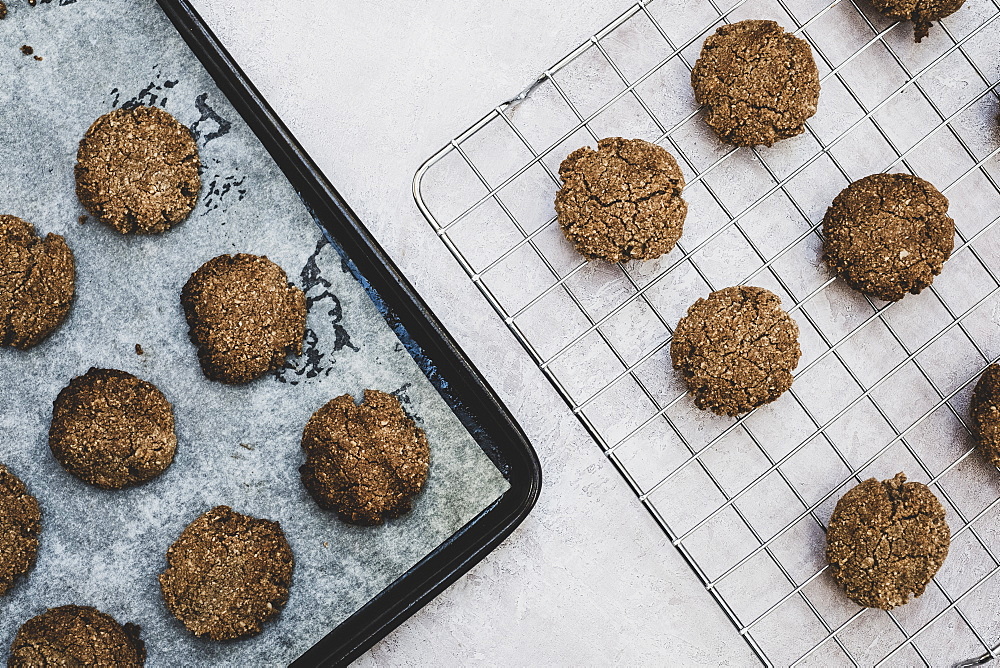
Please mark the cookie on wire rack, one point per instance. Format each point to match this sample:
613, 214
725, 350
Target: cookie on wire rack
887, 235
886, 540
623, 201
758, 83
922, 12
985, 410
737, 349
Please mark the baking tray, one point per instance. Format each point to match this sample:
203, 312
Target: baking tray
405, 318
881, 388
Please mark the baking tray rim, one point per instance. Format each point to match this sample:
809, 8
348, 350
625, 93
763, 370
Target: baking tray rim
462, 386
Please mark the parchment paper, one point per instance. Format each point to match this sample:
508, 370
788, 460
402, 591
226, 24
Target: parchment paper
238, 446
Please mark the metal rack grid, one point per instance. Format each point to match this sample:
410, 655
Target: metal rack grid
881, 387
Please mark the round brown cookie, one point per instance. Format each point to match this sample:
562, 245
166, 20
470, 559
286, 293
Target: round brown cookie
736, 349
985, 410
227, 574
622, 201
886, 540
759, 84
37, 283
888, 234
365, 462
922, 12
112, 429
20, 526
76, 635
137, 170
244, 317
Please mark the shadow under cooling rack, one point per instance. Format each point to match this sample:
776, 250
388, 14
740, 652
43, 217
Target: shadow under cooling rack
881, 388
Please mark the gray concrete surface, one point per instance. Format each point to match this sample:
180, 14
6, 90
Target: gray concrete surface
371, 89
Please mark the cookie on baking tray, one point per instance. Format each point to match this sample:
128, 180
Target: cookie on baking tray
137, 170
365, 461
227, 574
20, 527
37, 283
76, 635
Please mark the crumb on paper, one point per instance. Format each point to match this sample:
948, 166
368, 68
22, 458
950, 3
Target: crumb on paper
138, 349
82, 219
326, 544
27, 50
38, 58
246, 446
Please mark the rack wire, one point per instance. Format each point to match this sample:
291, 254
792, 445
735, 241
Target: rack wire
881, 388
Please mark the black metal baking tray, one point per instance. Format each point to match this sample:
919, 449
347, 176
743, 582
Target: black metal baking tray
447, 367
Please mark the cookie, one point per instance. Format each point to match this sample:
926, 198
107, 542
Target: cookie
76, 635
922, 12
244, 317
20, 527
112, 429
366, 462
137, 170
227, 574
886, 540
736, 349
888, 234
985, 410
37, 283
622, 201
758, 83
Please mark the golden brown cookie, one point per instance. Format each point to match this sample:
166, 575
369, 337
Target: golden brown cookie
886, 540
922, 12
137, 170
244, 317
622, 201
736, 349
888, 234
112, 429
985, 410
759, 84
37, 283
20, 527
227, 574
75, 635
365, 462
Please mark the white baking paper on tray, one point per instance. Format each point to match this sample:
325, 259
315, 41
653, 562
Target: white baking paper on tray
238, 446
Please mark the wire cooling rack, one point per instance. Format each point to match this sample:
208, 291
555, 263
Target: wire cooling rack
881, 388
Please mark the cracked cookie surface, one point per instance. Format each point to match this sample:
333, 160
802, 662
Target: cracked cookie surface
886, 540
37, 283
244, 317
622, 201
367, 461
137, 170
737, 349
20, 527
112, 429
76, 635
888, 234
227, 574
985, 411
759, 84
922, 12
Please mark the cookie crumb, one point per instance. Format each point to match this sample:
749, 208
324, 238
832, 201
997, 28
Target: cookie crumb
82, 220
246, 446
27, 50
38, 58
